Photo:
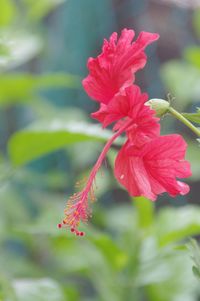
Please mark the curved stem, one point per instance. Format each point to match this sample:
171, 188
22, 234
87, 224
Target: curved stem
104, 152
180, 117
77, 206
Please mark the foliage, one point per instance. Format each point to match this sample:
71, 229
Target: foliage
51, 136
195, 255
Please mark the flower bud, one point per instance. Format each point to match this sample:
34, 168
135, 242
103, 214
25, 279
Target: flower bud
160, 106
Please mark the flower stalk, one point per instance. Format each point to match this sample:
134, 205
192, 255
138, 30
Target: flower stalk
185, 121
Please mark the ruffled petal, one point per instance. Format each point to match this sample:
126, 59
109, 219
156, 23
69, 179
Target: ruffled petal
131, 106
114, 69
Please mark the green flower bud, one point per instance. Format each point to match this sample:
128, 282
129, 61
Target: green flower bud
160, 106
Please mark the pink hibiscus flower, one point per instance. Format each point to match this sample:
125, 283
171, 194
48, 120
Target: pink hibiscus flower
114, 68
148, 164
130, 106
152, 169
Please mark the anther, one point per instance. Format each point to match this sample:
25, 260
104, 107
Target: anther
59, 226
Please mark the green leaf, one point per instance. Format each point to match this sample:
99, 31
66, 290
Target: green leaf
21, 87
7, 12
193, 157
145, 209
194, 249
3, 50
38, 289
6, 290
196, 272
179, 285
192, 55
194, 117
20, 48
39, 9
45, 137
115, 257
175, 224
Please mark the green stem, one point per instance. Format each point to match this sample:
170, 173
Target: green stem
184, 120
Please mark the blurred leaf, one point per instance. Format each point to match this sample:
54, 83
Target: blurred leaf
6, 290
6, 172
179, 284
115, 257
3, 50
38, 289
194, 249
192, 156
7, 12
39, 9
45, 137
174, 224
194, 117
13, 212
145, 210
21, 87
20, 48
192, 55
73, 294
182, 80
154, 264
196, 272
196, 21
45, 109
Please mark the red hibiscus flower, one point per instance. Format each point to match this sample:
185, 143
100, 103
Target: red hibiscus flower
152, 169
114, 68
148, 164
130, 106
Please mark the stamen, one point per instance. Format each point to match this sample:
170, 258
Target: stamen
77, 209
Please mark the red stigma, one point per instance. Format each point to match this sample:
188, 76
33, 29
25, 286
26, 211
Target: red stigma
59, 226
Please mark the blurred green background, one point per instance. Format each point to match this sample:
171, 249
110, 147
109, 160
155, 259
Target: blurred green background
133, 249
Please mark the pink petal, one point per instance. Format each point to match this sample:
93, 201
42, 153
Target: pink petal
114, 68
153, 168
